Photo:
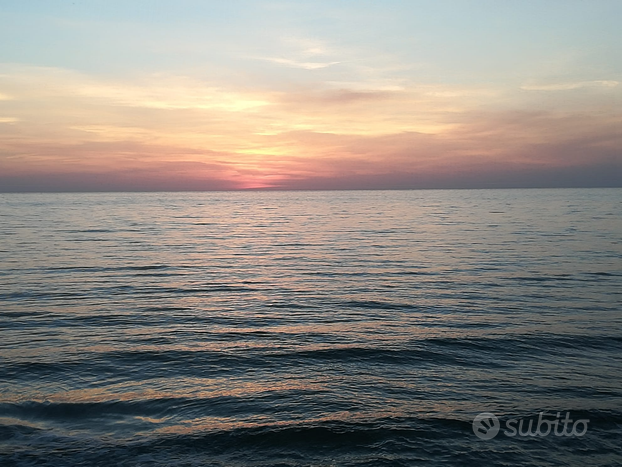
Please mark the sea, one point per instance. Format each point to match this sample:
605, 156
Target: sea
312, 328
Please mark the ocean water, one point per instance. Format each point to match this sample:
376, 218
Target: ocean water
363, 328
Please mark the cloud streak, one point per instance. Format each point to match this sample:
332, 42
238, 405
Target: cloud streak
300, 64
570, 86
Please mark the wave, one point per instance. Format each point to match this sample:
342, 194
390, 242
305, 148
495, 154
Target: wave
97, 292
302, 349
396, 441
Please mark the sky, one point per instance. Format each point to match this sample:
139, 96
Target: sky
342, 94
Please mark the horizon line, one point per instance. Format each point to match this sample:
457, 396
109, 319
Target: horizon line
244, 190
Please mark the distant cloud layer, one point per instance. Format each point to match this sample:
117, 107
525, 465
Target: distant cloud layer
307, 97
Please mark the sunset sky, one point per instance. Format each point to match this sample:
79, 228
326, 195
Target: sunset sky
202, 95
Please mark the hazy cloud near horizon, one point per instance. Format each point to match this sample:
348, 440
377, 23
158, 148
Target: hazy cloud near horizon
201, 95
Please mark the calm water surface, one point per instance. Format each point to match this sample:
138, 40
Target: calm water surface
308, 328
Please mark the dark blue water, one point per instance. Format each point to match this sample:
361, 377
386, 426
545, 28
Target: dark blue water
309, 328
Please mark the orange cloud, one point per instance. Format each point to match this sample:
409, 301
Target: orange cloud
61, 128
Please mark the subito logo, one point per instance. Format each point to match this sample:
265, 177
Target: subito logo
486, 425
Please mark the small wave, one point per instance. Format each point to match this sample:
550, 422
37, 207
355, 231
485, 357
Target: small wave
537, 344
82, 410
22, 314
408, 356
605, 274
88, 231
148, 268
292, 305
158, 309
164, 290
542, 278
43, 295
377, 305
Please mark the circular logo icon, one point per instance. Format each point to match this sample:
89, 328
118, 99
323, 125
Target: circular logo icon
486, 425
